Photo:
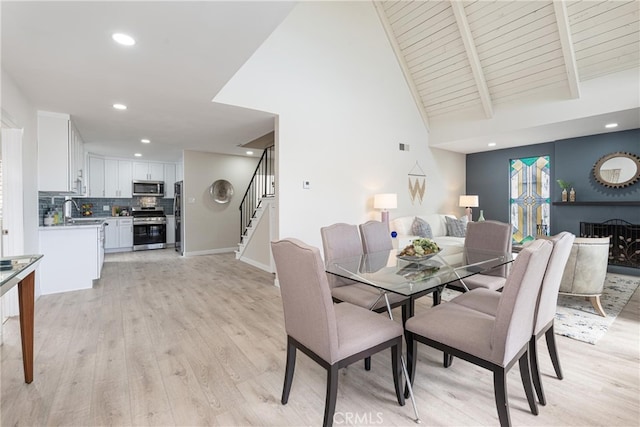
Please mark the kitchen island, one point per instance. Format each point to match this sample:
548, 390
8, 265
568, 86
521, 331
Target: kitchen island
74, 254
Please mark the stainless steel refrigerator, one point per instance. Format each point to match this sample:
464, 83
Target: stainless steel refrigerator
178, 206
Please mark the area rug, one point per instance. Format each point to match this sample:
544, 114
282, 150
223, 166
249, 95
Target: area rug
577, 319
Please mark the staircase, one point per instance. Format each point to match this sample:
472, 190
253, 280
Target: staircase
257, 215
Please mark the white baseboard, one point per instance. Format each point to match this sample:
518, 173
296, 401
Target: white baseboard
210, 252
257, 264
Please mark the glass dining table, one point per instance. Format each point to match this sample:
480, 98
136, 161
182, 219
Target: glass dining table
20, 270
415, 276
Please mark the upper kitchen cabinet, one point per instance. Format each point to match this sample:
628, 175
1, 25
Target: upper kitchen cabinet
60, 154
118, 177
148, 171
96, 176
169, 180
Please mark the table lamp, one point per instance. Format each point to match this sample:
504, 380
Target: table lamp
468, 202
385, 202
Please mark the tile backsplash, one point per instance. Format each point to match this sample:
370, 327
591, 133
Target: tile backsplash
45, 203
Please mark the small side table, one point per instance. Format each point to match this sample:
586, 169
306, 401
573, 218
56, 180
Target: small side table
21, 271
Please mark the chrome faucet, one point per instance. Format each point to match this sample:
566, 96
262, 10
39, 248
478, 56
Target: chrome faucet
67, 218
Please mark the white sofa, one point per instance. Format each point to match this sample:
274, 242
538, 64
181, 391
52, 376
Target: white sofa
452, 246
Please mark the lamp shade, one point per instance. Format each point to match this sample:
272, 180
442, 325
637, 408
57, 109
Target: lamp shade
468, 201
385, 201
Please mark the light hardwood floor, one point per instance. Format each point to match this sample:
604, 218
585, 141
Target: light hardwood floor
164, 340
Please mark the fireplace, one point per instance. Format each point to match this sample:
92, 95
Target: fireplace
624, 245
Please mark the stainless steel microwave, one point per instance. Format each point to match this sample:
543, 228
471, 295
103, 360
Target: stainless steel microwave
148, 188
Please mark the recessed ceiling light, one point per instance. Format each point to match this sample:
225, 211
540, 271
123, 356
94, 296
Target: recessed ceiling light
119, 106
123, 39
145, 141
491, 144
249, 153
138, 155
611, 125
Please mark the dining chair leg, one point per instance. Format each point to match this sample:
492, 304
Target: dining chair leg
500, 392
396, 354
288, 374
553, 351
412, 355
332, 395
535, 370
525, 375
447, 360
367, 363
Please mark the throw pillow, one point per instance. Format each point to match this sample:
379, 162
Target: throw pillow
421, 228
456, 227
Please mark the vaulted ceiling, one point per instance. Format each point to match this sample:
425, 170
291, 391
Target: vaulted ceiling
471, 57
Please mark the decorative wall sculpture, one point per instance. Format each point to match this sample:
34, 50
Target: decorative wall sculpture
529, 197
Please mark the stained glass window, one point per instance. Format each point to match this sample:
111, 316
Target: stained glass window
530, 197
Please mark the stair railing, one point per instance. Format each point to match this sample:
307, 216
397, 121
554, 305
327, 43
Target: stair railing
262, 185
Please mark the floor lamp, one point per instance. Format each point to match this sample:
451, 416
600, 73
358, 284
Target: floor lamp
468, 202
385, 202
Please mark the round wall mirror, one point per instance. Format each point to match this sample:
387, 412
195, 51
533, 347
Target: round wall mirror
221, 191
617, 170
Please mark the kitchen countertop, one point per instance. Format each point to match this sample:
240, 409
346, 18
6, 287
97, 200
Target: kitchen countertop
78, 223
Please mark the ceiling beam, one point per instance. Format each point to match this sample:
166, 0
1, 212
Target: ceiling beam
472, 55
403, 63
562, 19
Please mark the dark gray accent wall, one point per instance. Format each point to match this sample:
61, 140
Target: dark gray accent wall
571, 160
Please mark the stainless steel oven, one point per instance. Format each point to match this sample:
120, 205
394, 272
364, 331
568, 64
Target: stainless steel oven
149, 228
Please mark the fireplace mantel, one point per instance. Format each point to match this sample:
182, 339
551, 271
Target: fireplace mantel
612, 203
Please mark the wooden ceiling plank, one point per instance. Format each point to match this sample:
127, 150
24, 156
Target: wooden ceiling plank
531, 21
460, 87
611, 17
474, 61
608, 45
442, 77
569, 54
599, 10
596, 70
511, 55
529, 82
392, 8
455, 62
442, 54
553, 90
611, 55
485, 52
628, 24
524, 61
503, 13
420, 15
496, 81
410, 10
532, 85
425, 28
403, 66
456, 106
452, 100
446, 35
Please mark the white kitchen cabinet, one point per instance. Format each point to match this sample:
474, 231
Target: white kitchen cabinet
60, 154
118, 235
148, 171
96, 177
118, 177
73, 257
171, 230
169, 180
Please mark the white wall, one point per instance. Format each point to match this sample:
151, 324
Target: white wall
24, 115
212, 227
330, 74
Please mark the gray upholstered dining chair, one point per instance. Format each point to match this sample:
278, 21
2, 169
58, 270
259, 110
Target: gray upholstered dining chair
333, 335
494, 236
487, 302
375, 237
492, 342
340, 241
